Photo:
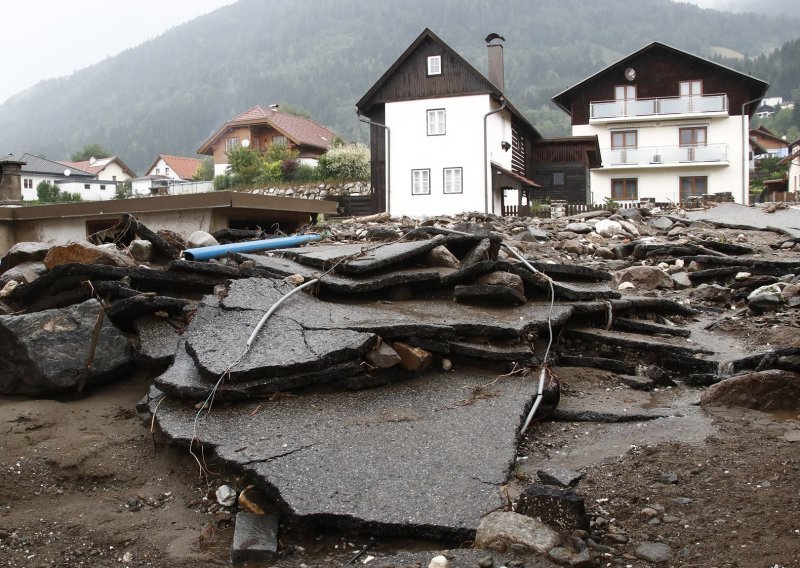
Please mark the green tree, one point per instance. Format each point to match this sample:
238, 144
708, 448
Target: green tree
124, 190
345, 162
90, 151
47, 192
206, 170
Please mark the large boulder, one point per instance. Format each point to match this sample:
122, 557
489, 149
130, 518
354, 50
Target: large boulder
762, 390
48, 352
502, 530
608, 228
642, 278
25, 252
84, 252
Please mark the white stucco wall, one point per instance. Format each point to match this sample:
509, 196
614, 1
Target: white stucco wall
160, 169
661, 181
460, 147
98, 190
113, 172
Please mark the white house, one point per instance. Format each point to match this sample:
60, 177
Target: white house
171, 175
671, 126
107, 169
793, 174
37, 169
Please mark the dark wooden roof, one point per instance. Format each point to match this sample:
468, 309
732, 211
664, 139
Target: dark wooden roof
756, 88
407, 79
585, 149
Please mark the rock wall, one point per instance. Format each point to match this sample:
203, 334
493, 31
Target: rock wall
319, 190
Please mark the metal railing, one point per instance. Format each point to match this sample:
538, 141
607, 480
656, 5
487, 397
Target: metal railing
658, 107
655, 155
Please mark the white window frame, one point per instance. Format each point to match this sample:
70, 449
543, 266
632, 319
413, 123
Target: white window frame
166, 171
456, 182
421, 182
27, 183
436, 122
232, 143
434, 65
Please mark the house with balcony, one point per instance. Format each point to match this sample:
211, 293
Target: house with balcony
672, 126
259, 128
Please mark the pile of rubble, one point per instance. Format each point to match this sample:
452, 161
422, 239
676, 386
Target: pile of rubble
388, 397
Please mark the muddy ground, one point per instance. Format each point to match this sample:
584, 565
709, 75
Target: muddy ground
83, 482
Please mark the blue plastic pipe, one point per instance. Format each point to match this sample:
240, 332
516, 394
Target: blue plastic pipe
204, 253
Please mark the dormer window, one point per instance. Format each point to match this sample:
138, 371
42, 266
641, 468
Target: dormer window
435, 65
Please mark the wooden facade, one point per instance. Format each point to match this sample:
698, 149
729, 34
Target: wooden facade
665, 68
560, 167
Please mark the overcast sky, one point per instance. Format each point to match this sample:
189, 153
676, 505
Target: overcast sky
42, 39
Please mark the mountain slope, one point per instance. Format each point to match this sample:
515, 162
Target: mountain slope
169, 94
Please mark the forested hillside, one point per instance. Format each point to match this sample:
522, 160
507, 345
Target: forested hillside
169, 94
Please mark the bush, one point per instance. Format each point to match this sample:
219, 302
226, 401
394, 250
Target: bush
124, 190
47, 192
345, 162
304, 173
222, 182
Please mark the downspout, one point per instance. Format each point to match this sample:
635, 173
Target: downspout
388, 147
486, 154
745, 146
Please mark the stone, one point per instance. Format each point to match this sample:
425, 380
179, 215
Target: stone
484, 250
713, 293
605, 252
412, 358
255, 538
441, 256
24, 272
681, 280
486, 562
200, 239
26, 251
626, 286
488, 295
608, 228
572, 246
656, 552
141, 250
8, 289
559, 476
669, 478
561, 508
596, 239
660, 223
226, 495
791, 294
254, 501
47, 352
382, 233
765, 298
537, 233
643, 278
85, 253
631, 213
439, 562
579, 228
773, 389
382, 356
629, 228
500, 530
507, 279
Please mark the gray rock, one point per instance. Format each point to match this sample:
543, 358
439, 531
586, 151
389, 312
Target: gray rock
660, 223
24, 252
500, 278
681, 280
141, 250
537, 233
605, 252
765, 298
629, 228
254, 538
200, 239
441, 256
656, 552
562, 508
501, 530
643, 278
681, 500
158, 340
559, 476
608, 228
631, 213
713, 293
579, 228
84, 252
47, 352
670, 478
760, 390
24, 273
573, 247
382, 356
486, 294
484, 250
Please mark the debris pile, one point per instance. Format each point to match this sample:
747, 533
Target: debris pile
387, 396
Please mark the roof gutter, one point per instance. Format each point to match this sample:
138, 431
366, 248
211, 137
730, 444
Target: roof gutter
486, 154
388, 154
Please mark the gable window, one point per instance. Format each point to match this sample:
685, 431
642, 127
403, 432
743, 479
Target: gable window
625, 189
231, 144
166, 171
452, 180
421, 182
27, 183
113, 178
558, 178
158, 171
435, 65
436, 122
693, 186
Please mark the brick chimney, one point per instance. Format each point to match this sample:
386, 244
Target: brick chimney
496, 70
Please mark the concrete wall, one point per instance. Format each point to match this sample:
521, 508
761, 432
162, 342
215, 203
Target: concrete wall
661, 181
460, 147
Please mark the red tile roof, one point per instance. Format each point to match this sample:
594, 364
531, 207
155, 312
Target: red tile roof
183, 167
301, 131
99, 165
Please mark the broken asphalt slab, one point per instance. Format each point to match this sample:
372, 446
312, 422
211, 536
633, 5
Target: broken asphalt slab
427, 459
734, 215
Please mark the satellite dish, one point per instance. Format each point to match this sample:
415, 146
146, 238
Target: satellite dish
630, 73
245, 143
92, 160
67, 172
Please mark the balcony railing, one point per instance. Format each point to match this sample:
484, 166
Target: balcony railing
658, 107
658, 155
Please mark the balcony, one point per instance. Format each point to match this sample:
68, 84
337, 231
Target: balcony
664, 107
664, 156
